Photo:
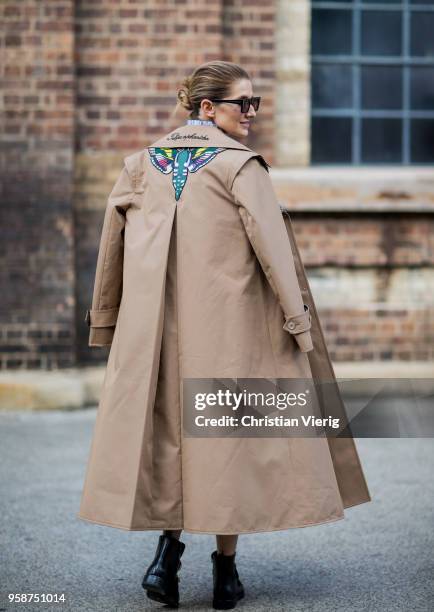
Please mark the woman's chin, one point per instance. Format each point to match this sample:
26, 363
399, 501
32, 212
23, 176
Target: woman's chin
242, 132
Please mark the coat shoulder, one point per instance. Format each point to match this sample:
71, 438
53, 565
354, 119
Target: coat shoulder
241, 158
135, 166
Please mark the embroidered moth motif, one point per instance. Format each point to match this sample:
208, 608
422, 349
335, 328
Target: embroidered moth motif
181, 161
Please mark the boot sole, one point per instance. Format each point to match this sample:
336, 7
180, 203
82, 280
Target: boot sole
154, 587
226, 604
161, 599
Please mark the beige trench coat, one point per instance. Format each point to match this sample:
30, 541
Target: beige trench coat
198, 276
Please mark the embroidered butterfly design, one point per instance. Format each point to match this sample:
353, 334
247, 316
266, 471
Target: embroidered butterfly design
181, 161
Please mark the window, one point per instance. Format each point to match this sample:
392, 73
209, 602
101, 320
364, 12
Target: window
372, 82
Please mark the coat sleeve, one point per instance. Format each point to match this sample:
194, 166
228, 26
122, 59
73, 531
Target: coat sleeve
261, 215
107, 291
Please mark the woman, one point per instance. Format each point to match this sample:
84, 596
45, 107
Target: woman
196, 279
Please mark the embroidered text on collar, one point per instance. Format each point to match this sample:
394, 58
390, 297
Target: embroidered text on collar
178, 136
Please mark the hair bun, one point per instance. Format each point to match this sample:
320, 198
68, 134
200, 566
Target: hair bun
184, 94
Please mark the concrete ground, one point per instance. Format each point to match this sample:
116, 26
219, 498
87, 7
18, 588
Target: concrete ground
380, 558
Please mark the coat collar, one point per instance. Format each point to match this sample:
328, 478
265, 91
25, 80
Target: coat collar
198, 136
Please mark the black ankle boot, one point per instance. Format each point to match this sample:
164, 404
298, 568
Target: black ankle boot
161, 580
228, 588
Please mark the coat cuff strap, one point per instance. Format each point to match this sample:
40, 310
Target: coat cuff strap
102, 318
299, 326
298, 323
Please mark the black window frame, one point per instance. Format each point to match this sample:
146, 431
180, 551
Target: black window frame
356, 60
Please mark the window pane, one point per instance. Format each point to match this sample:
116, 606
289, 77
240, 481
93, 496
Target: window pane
381, 140
422, 140
422, 88
331, 139
381, 87
381, 33
331, 86
331, 31
421, 32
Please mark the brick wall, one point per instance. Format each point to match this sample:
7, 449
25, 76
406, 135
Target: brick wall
36, 254
372, 279
132, 55
85, 83
130, 59
249, 39
367, 240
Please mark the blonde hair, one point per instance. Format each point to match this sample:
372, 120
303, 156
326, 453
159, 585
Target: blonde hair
209, 80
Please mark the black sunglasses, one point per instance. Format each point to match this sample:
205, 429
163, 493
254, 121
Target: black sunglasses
243, 102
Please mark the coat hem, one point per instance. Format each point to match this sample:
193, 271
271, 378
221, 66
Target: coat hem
189, 530
358, 503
